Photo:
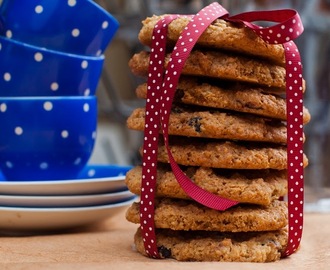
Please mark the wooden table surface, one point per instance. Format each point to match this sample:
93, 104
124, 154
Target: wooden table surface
108, 245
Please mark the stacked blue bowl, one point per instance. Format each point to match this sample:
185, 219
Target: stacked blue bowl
52, 55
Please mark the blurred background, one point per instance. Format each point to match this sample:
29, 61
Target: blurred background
116, 90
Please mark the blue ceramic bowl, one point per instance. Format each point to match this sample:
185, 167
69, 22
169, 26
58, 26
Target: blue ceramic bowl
27, 70
73, 26
46, 138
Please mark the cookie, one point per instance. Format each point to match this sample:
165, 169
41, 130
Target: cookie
225, 154
214, 246
215, 64
223, 95
220, 35
187, 215
196, 122
255, 187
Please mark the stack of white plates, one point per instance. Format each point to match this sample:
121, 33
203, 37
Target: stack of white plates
97, 194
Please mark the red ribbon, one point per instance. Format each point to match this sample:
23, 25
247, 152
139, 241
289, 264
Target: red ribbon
161, 89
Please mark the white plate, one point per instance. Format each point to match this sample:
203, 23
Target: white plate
93, 179
64, 201
21, 219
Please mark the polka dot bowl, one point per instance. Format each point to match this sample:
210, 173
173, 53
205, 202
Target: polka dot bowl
28, 70
73, 26
46, 138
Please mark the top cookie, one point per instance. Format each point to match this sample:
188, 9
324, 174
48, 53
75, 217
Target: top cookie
220, 35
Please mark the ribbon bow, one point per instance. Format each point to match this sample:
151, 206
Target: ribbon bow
161, 89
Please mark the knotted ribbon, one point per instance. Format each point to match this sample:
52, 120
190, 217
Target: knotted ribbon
162, 84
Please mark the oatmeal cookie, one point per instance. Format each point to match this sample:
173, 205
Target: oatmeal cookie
197, 122
224, 154
216, 246
235, 97
187, 215
255, 187
215, 64
219, 35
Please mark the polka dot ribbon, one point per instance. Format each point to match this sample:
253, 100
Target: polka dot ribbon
162, 84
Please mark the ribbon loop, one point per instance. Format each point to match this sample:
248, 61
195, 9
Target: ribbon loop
288, 26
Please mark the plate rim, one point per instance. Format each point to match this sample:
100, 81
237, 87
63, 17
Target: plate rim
68, 187
69, 181
69, 196
26, 220
65, 209
62, 182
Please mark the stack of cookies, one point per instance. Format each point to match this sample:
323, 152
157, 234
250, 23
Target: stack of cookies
228, 133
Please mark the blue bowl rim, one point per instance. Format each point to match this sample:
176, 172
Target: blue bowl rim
114, 25
79, 178
107, 14
47, 98
50, 51
104, 12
